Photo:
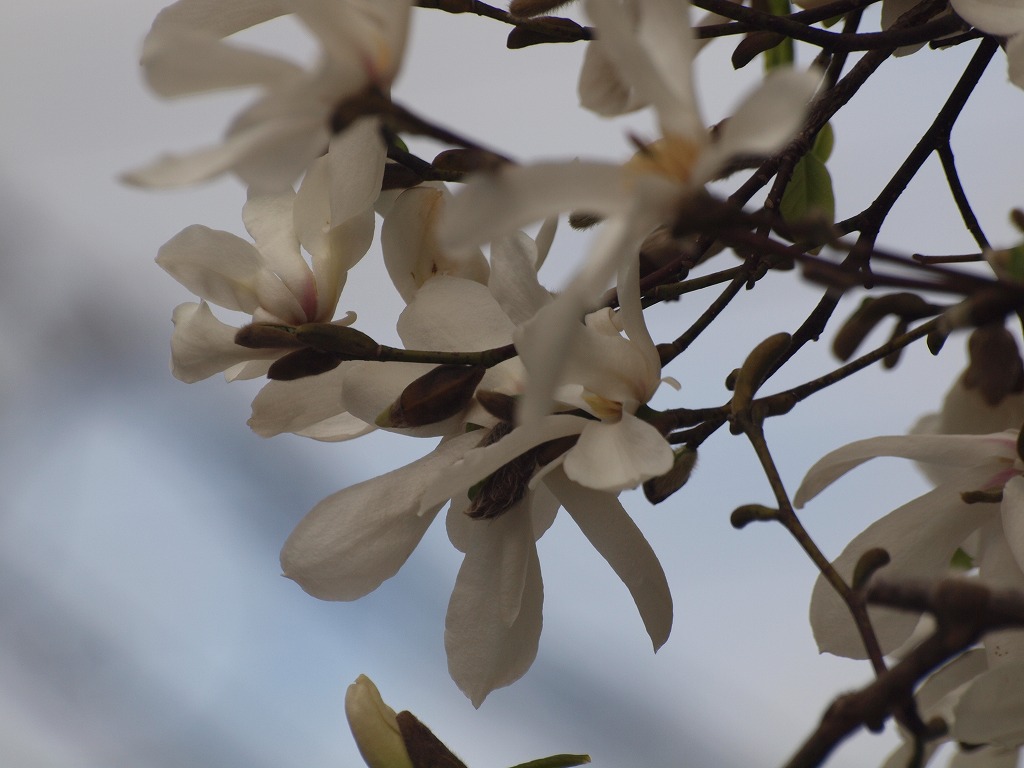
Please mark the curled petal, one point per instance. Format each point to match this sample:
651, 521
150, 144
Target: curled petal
202, 345
614, 534
601, 89
493, 625
616, 456
942, 450
355, 539
513, 280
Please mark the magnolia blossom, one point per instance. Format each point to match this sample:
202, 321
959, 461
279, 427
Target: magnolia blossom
648, 46
354, 540
375, 726
269, 280
273, 141
1004, 18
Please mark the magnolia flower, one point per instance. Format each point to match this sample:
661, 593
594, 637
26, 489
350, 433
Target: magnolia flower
648, 45
1004, 18
354, 540
921, 536
268, 280
273, 141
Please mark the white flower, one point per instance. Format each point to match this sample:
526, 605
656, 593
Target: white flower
354, 540
922, 535
273, 141
1004, 18
269, 280
648, 45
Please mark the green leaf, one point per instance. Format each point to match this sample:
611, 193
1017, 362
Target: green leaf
823, 143
782, 54
556, 761
961, 561
1014, 263
809, 193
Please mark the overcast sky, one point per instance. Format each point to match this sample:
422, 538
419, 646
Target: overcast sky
143, 621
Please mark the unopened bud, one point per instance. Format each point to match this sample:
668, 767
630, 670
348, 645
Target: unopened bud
583, 220
547, 29
908, 306
868, 565
398, 176
528, 8
995, 369
500, 406
657, 489
340, 340
425, 749
443, 392
754, 44
302, 363
756, 368
467, 160
743, 516
266, 336
375, 727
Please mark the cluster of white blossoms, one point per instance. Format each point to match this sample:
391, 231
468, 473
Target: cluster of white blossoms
538, 401
559, 423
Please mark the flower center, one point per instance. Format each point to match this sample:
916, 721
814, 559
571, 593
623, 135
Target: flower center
671, 156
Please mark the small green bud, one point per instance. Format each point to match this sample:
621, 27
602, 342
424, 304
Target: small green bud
435, 396
340, 340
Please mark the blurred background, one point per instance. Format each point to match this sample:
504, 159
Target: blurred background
143, 620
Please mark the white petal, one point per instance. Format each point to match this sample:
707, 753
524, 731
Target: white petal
614, 534
920, 537
179, 61
997, 17
412, 253
495, 204
1012, 509
310, 406
357, 538
600, 88
369, 32
654, 59
991, 710
513, 280
257, 141
763, 122
616, 456
488, 644
269, 220
371, 387
220, 17
202, 345
942, 450
450, 314
356, 158
214, 265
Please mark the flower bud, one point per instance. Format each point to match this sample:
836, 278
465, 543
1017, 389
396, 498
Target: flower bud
657, 489
546, 29
433, 397
756, 368
340, 340
467, 160
375, 727
527, 8
302, 363
266, 336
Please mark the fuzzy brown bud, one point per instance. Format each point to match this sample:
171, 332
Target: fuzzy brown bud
657, 489
433, 397
467, 160
341, 341
546, 29
524, 9
995, 367
266, 336
302, 363
756, 368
